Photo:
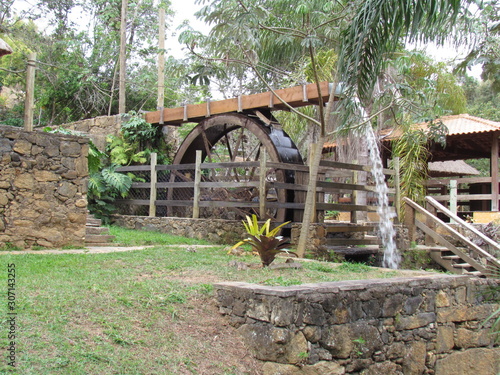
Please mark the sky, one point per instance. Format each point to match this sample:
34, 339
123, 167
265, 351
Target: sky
185, 9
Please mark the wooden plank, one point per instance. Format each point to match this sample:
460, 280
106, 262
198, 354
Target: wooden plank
446, 181
197, 112
453, 232
153, 178
442, 241
462, 222
463, 197
134, 168
197, 180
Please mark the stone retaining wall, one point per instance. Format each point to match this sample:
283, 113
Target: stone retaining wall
224, 232
43, 187
424, 325
97, 128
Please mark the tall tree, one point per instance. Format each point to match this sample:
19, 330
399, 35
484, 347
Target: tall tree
266, 33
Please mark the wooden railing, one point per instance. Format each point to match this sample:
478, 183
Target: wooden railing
466, 255
194, 182
459, 194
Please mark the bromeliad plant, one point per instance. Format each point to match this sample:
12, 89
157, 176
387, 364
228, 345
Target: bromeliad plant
264, 240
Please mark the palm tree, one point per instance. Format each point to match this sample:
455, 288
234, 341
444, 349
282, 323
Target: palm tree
377, 30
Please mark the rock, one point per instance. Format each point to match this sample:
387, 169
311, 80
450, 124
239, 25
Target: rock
414, 360
466, 338
24, 181
442, 299
415, 321
320, 368
337, 339
444, 339
480, 361
22, 147
385, 368
274, 344
279, 266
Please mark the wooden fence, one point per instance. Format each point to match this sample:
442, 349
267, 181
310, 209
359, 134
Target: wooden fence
338, 188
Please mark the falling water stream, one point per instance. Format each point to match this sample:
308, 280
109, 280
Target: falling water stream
391, 257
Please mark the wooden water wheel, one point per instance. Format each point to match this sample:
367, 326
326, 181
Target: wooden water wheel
241, 137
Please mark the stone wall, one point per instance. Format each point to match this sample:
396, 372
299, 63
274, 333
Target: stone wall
97, 128
43, 186
224, 232
424, 325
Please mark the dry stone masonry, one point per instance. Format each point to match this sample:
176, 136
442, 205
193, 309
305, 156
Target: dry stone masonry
216, 231
424, 325
43, 187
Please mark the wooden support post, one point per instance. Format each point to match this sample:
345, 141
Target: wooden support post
494, 173
354, 195
312, 156
410, 223
197, 180
154, 179
397, 186
262, 184
123, 58
30, 92
429, 240
161, 64
453, 198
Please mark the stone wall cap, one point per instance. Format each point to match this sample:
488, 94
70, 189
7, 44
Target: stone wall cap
336, 286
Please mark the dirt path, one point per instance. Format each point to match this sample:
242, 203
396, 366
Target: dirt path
96, 249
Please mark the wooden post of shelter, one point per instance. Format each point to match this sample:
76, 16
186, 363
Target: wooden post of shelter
262, 184
197, 180
354, 195
494, 172
154, 178
453, 198
30, 92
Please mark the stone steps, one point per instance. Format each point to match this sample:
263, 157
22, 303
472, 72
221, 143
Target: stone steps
95, 234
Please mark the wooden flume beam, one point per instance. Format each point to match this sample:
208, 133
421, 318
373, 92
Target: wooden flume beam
297, 96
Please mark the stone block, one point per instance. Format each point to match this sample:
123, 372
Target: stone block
414, 360
337, 339
415, 321
442, 299
70, 148
24, 181
312, 333
269, 343
45, 176
393, 305
464, 313
22, 147
412, 305
482, 361
444, 339
466, 338
386, 368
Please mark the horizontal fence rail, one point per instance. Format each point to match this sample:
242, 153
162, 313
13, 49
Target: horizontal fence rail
258, 186
465, 194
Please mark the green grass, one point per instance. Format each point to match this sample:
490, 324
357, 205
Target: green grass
129, 237
139, 312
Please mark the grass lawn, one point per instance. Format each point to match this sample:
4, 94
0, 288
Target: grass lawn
139, 312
